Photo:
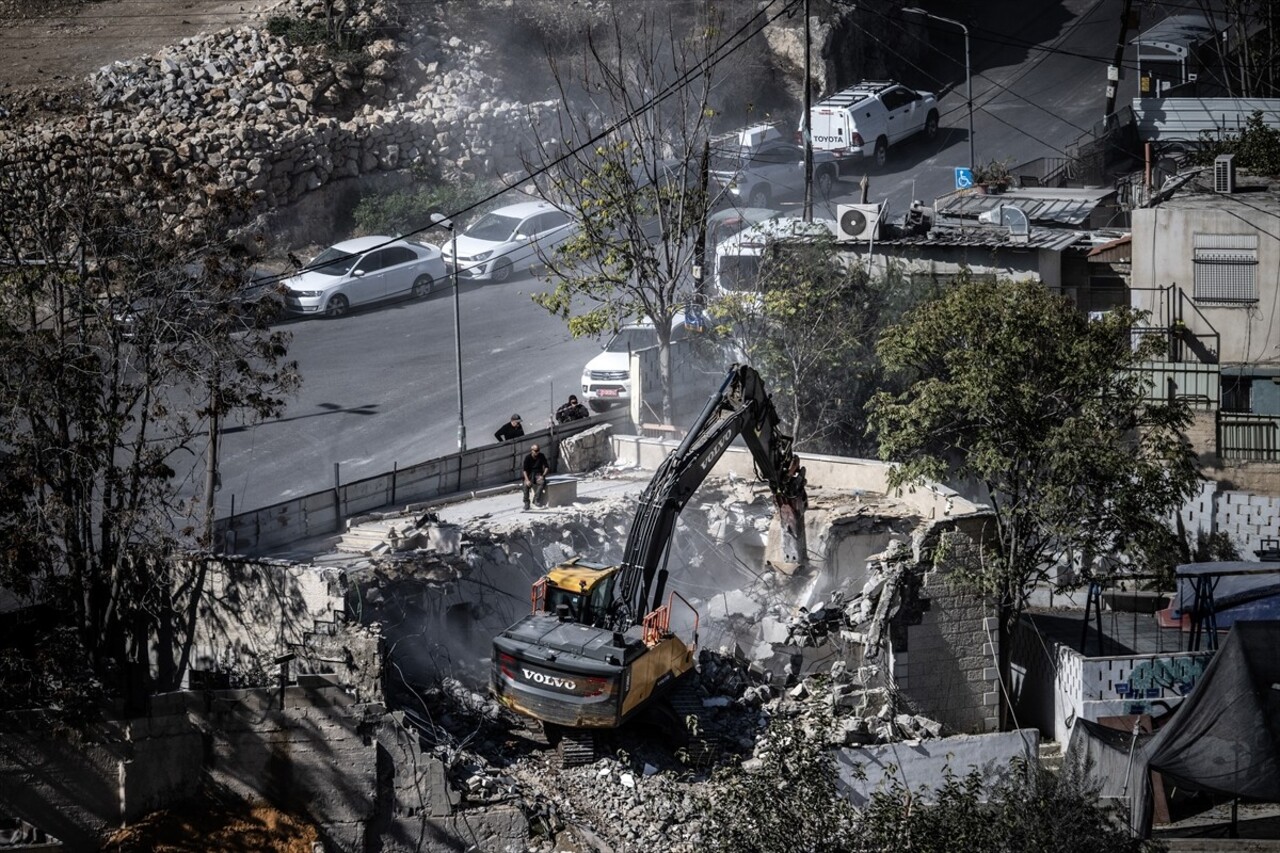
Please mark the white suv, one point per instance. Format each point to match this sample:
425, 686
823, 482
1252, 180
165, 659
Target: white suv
606, 379
864, 120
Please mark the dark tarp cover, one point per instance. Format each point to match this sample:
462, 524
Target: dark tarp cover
1104, 754
1223, 739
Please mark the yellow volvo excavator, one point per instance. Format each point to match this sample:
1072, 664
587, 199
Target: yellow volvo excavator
597, 648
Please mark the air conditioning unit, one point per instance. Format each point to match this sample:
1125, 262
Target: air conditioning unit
1224, 173
859, 221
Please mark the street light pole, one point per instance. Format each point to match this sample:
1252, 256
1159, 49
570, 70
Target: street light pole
968, 68
444, 222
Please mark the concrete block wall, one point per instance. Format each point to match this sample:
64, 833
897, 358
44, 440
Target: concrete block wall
954, 637
78, 784
314, 754
355, 772
1244, 516
1056, 685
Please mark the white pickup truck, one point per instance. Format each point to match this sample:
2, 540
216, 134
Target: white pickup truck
866, 119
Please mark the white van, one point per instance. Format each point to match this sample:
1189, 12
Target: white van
866, 119
737, 264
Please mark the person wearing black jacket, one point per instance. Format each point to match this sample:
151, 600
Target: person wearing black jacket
535, 471
511, 430
571, 411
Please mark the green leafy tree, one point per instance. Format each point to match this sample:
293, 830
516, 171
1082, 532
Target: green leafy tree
404, 211
632, 186
809, 324
791, 801
123, 333
1257, 147
1012, 388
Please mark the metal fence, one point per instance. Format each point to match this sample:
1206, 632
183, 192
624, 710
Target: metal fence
1248, 437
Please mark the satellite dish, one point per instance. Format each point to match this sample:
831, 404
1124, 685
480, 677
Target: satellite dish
1011, 217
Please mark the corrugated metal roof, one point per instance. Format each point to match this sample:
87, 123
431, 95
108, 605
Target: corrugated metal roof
1120, 249
1055, 239
1043, 205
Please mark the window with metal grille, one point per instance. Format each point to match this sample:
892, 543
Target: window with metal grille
1226, 267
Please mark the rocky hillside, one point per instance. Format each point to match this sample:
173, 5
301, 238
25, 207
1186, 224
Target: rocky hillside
309, 96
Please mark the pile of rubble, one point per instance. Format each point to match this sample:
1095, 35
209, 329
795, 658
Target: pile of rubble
645, 794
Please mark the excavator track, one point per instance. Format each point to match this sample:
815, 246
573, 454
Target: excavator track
577, 748
686, 703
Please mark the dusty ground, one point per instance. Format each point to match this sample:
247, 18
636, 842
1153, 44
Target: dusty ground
49, 46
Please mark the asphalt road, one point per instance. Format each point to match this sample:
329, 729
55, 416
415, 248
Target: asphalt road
1039, 78
379, 385
379, 389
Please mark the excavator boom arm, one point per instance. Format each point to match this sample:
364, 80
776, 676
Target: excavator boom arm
741, 406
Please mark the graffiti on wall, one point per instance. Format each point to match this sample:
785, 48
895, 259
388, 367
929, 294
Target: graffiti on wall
1151, 679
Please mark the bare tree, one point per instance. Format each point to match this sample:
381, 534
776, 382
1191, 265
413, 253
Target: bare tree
624, 159
120, 340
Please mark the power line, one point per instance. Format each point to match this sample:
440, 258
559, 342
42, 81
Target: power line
699, 68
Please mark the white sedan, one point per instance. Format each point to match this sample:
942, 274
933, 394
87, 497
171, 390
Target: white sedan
510, 238
361, 272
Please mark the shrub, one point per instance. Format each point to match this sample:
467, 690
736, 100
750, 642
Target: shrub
409, 210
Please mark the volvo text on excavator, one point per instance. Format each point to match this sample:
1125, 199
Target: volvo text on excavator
599, 648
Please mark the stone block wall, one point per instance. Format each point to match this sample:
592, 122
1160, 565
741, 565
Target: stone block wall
355, 772
945, 643
585, 451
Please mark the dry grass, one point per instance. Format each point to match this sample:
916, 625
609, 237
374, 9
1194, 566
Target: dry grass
203, 825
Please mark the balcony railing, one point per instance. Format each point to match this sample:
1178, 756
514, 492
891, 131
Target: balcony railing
1246, 437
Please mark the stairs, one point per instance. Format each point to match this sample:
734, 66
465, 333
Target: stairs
379, 537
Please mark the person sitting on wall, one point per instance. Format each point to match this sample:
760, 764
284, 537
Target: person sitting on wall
508, 431
571, 411
535, 470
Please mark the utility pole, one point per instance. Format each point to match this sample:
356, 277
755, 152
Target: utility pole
700, 244
1113, 73
808, 133
211, 483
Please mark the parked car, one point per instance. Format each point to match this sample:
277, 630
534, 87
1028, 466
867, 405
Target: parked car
606, 378
773, 169
361, 272
504, 240
865, 120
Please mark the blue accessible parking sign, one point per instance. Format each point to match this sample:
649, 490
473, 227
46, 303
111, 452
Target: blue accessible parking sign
964, 178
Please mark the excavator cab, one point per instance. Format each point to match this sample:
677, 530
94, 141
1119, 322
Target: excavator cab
584, 589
